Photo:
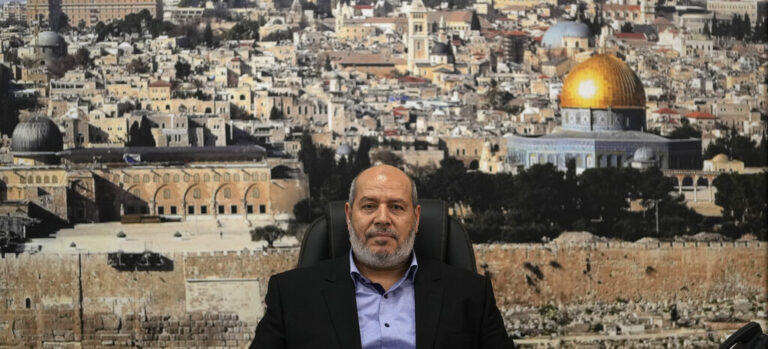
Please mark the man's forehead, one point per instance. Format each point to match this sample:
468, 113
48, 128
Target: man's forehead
383, 181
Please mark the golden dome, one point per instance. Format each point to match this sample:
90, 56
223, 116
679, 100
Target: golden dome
720, 158
602, 81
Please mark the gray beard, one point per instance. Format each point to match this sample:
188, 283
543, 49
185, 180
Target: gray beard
381, 260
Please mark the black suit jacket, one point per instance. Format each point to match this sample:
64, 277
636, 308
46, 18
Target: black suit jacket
315, 307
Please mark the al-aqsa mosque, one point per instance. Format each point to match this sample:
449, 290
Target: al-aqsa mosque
602, 105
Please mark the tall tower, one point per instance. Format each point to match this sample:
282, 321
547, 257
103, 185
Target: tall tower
418, 37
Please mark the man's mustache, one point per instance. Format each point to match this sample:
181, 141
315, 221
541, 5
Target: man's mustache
378, 232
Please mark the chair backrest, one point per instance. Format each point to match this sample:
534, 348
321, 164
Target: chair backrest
439, 237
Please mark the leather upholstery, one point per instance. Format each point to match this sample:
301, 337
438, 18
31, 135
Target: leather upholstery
439, 237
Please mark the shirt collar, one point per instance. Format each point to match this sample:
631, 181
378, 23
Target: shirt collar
410, 274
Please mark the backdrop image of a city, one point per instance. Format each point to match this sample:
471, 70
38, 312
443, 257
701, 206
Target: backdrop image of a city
161, 159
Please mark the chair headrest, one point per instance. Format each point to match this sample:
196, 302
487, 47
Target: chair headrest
438, 237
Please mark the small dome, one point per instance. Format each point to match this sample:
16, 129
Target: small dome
344, 150
36, 134
553, 37
720, 158
645, 154
441, 49
49, 38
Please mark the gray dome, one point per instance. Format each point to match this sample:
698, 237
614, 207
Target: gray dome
553, 38
36, 134
49, 38
344, 150
644, 154
441, 49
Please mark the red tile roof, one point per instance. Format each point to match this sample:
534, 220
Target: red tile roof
160, 83
700, 115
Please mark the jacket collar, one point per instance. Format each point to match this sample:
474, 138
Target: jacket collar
342, 305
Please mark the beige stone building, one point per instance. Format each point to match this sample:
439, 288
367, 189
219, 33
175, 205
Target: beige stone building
91, 11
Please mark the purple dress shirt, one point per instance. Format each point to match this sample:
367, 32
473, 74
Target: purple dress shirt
387, 319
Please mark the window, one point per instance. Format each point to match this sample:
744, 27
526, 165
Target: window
191, 209
249, 209
196, 177
262, 208
136, 193
38, 180
255, 193
236, 177
28, 303
46, 179
166, 194
196, 193
221, 209
176, 178
227, 177
173, 209
203, 209
145, 179
233, 209
227, 193
161, 210
206, 178
217, 177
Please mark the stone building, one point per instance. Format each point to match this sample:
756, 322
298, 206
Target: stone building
91, 11
104, 184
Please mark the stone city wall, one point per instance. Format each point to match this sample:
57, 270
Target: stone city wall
215, 299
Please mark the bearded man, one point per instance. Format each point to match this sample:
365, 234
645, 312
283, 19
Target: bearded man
381, 295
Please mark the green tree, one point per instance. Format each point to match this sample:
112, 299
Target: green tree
268, 233
83, 58
59, 22
276, 114
684, 132
183, 69
208, 36
742, 197
387, 157
81, 25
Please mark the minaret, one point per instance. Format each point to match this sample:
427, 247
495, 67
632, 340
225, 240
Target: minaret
442, 36
418, 37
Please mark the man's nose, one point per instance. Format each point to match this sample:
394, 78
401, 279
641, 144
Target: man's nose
382, 215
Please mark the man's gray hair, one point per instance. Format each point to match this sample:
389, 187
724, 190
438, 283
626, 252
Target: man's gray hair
352, 190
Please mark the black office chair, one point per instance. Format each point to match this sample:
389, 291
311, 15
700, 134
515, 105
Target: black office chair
439, 237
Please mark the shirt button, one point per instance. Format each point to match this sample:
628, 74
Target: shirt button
386, 324
386, 296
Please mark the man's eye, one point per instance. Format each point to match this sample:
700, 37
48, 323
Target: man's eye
368, 206
397, 207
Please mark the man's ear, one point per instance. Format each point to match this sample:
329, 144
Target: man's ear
348, 211
417, 212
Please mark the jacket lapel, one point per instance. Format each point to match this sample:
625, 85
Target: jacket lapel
342, 305
429, 298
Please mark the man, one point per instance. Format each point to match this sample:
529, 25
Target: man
381, 295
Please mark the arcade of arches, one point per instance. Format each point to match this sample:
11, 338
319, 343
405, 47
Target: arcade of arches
189, 192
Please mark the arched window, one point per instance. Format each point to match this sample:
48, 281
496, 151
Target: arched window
55, 179
236, 177
146, 178
166, 178
196, 177
227, 193
136, 193
28, 303
196, 193
217, 177
31, 180
38, 180
136, 179
166, 194
227, 177
255, 193
206, 178
47, 179
186, 178
176, 178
